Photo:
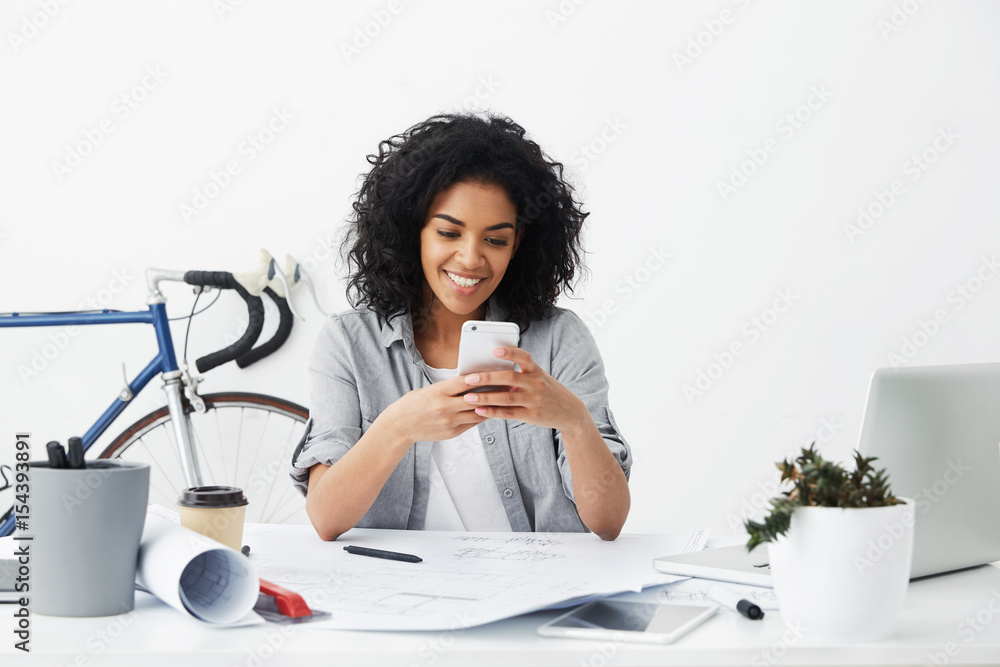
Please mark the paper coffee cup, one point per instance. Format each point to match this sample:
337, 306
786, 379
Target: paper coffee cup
214, 511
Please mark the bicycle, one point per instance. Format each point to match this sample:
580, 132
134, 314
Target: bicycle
180, 441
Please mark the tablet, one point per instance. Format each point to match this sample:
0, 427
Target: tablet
621, 620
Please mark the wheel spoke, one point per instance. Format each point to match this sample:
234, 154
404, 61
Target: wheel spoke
286, 517
204, 457
221, 441
288, 495
270, 487
239, 446
155, 463
260, 442
259, 423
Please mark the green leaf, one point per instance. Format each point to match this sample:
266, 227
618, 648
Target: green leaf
817, 482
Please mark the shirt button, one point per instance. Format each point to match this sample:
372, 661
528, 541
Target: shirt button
490, 439
507, 493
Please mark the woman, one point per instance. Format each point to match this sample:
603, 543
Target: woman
461, 218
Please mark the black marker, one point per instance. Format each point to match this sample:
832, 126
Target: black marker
57, 455
76, 453
727, 598
378, 553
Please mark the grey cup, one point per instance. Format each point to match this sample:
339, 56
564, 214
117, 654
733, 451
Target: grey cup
86, 526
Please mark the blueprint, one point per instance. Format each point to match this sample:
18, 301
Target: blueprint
464, 579
195, 575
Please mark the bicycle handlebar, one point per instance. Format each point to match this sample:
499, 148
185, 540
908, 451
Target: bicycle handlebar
255, 311
279, 337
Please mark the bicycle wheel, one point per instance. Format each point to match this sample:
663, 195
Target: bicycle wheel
241, 439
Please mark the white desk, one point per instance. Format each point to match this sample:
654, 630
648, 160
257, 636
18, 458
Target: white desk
935, 615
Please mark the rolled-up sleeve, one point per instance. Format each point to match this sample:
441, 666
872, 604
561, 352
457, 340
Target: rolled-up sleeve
334, 424
577, 364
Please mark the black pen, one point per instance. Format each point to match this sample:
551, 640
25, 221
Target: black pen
378, 553
57, 455
76, 453
727, 598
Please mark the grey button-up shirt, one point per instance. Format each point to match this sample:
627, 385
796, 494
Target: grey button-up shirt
359, 368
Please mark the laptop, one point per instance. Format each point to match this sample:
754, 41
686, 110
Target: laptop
936, 429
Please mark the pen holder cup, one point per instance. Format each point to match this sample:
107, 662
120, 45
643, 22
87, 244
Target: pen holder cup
85, 526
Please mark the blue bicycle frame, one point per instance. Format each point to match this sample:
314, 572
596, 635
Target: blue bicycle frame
164, 363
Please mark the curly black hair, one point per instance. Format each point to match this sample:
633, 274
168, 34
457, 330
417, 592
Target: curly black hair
382, 243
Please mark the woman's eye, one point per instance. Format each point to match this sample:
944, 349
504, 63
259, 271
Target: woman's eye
499, 243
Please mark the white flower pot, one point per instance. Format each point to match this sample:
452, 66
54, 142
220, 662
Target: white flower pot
841, 574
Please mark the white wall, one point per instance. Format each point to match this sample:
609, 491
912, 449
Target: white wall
888, 81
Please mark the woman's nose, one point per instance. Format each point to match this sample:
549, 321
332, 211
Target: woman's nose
469, 256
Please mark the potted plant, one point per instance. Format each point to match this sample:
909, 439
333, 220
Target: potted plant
841, 546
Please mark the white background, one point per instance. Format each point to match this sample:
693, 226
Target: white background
669, 99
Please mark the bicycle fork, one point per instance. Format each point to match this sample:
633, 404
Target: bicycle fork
181, 423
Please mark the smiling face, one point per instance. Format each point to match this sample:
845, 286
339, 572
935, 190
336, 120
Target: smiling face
466, 244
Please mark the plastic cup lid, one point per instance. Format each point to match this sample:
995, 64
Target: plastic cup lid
212, 496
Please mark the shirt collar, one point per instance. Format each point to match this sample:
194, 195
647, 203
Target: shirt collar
400, 327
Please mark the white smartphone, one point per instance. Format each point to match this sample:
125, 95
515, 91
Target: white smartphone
475, 348
622, 620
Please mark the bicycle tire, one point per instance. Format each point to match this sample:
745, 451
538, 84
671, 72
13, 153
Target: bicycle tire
268, 486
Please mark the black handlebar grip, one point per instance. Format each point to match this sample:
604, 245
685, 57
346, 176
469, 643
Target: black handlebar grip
255, 313
279, 337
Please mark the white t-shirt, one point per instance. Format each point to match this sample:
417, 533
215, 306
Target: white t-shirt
463, 495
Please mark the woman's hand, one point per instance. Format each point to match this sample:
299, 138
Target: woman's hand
428, 414
600, 489
533, 396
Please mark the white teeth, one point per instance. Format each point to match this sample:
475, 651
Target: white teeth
462, 282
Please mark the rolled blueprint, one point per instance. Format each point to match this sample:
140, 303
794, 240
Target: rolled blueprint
194, 574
